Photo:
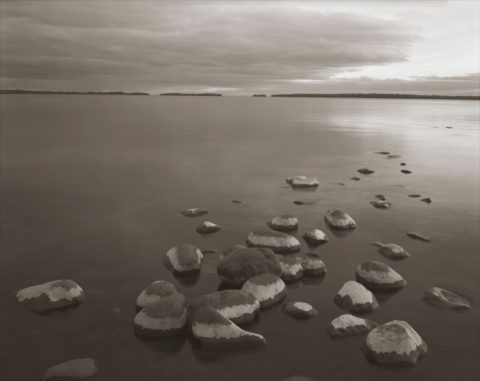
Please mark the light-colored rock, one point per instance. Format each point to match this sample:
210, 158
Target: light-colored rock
291, 265
446, 299
381, 204
208, 227
268, 288
212, 329
313, 266
194, 212
72, 370
354, 297
165, 318
315, 237
239, 306
340, 220
50, 296
395, 342
300, 310
285, 222
277, 241
302, 182
349, 325
183, 259
391, 250
378, 276
154, 292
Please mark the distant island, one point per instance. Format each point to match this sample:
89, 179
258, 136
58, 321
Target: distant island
258, 95
375, 95
192, 94
71, 92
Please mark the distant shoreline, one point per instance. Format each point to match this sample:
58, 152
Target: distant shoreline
375, 95
71, 92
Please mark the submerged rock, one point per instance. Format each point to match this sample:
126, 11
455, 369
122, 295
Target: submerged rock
383, 152
285, 222
380, 204
302, 182
300, 202
237, 201
300, 310
211, 328
365, 171
391, 250
349, 325
378, 276
354, 297
277, 241
340, 220
414, 195
194, 212
427, 200
50, 296
315, 237
242, 264
183, 259
239, 306
313, 266
403, 164
380, 197
292, 269
72, 370
446, 299
419, 236
165, 318
355, 178
268, 288
208, 227
154, 292
395, 342
393, 156
405, 171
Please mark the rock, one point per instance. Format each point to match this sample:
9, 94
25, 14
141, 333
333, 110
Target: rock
50, 296
403, 164
427, 200
300, 202
242, 264
313, 266
239, 306
415, 195
154, 292
378, 276
277, 241
194, 212
302, 182
237, 201
183, 259
354, 297
446, 299
165, 318
72, 370
391, 250
292, 269
380, 197
349, 325
381, 204
300, 310
208, 227
355, 178
268, 288
285, 222
395, 342
211, 328
383, 152
419, 236
315, 237
340, 220
448, 127
393, 156
406, 171
365, 171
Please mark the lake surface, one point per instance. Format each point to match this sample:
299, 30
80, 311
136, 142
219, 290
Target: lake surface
92, 187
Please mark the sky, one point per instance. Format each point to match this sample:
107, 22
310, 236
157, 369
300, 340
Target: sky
241, 47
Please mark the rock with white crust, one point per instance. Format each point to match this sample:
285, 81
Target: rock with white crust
395, 342
292, 269
268, 288
339, 220
213, 329
446, 299
349, 325
165, 318
75, 369
354, 297
194, 212
239, 306
378, 276
154, 292
285, 222
302, 182
392, 250
50, 296
300, 310
315, 237
208, 227
183, 259
313, 266
279, 242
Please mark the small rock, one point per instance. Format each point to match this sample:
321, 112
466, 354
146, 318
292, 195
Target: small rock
72, 370
446, 299
406, 171
419, 236
427, 200
302, 182
380, 197
355, 178
277, 241
292, 269
393, 156
194, 212
349, 325
354, 297
383, 152
415, 195
285, 222
208, 227
403, 164
300, 310
183, 259
268, 288
315, 237
392, 250
340, 220
365, 171
448, 127
378, 276
395, 342
313, 266
300, 202
154, 292
50, 296
237, 201
381, 204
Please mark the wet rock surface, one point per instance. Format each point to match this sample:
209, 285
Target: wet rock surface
381, 204
339, 220
355, 298
300, 310
268, 288
443, 298
302, 182
392, 250
184, 259
208, 227
313, 266
154, 292
378, 276
292, 269
285, 222
277, 241
349, 325
315, 237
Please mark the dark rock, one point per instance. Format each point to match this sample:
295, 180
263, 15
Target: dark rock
349, 325
183, 259
419, 236
415, 195
300, 202
76, 369
340, 220
383, 152
446, 299
392, 250
381, 197
355, 178
393, 156
427, 200
403, 164
237, 201
406, 171
268, 288
277, 241
378, 276
300, 310
365, 171
354, 297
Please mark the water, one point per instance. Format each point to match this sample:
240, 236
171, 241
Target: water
91, 190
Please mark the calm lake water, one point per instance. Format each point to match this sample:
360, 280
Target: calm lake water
92, 187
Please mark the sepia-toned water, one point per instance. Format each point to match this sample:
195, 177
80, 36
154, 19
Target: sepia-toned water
92, 186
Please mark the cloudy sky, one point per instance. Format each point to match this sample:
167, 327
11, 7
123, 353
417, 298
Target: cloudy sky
240, 47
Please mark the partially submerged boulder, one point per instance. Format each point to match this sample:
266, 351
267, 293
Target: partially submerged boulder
154, 292
300, 310
395, 342
315, 237
446, 299
339, 220
426, 200
349, 325
194, 212
285, 222
381, 204
302, 182
183, 259
392, 250
50, 296
292, 269
208, 227
355, 298
313, 266
379, 276
165, 318
419, 236
268, 288
75, 369
277, 241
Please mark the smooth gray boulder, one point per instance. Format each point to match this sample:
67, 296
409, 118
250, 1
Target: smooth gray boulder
339, 220
291, 265
267, 288
154, 292
300, 310
349, 325
277, 241
446, 299
76, 369
208, 227
285, 222
194, 212
302, 182
378, 276
313, 266
392, 250
183, 259
315, 237
355, 298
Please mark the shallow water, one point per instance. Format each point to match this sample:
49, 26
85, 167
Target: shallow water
92, 187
